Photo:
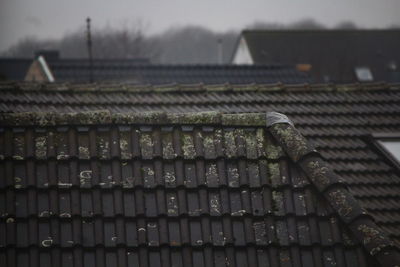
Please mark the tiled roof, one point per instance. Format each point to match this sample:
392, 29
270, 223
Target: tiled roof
157, 189
78, 71
333, 54
14, 68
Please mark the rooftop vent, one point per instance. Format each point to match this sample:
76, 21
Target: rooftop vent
304, 67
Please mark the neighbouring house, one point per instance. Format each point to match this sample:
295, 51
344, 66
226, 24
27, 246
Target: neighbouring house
14, 69
338, 56
246, 187
48, 66
140, 72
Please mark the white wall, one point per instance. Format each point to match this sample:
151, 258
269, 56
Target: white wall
242, 54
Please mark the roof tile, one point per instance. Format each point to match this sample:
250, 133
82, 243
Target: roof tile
129, 202
350, 212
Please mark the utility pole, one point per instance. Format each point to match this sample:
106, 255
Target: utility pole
89, 47
220, 51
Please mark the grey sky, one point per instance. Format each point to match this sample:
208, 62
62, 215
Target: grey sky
54, 18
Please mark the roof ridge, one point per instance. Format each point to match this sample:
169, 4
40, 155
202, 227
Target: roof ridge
258, 31
327, 183
150, 118
197, 87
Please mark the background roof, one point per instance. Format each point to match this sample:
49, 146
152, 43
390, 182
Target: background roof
332, 53
68, 70
14, 69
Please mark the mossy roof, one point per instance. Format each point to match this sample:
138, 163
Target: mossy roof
213, 180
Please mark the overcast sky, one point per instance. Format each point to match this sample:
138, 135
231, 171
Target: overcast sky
54, 18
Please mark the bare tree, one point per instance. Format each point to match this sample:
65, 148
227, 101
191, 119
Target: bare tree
306, 24
73, 45
26, 47
346, 25
303, 24
193, 44
182, 45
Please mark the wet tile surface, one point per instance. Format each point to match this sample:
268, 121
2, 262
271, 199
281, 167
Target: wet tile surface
336, 118
140, 195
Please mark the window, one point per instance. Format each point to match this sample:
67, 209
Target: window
364, 74
393, 146
389, 146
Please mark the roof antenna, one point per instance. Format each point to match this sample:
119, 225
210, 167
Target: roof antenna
89, 47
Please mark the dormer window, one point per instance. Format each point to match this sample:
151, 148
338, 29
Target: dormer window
364, 74
393, 146
389, 145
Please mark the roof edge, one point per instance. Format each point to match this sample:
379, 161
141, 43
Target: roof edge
327, 31
198, 87
45, 68
103, 117
361, 224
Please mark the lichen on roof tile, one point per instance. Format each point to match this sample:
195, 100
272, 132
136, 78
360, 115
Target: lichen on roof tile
274, 174
295, 144
272, 150
212, 178
125, 145
41, 146
167, 145
146, 145
230, 143
211, 117
209, 145
188, 148
244, 87
217, 88
320, 174
151, 117
243, 119
251, 144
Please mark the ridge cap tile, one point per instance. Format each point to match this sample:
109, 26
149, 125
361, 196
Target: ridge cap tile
193, 87
361, 224
53, 118
295, 145
150, 117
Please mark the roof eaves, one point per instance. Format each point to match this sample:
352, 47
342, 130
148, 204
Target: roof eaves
361, 224
198, 87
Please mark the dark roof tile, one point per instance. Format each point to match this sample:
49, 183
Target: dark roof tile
129, 204
344, 203
75, 70
348, 209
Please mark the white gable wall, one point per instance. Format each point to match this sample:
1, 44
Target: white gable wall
242, 54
